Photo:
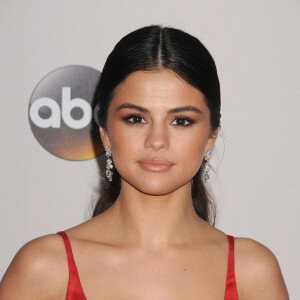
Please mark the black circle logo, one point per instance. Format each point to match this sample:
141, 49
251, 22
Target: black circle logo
62, 113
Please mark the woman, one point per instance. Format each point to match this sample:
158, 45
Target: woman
152, 234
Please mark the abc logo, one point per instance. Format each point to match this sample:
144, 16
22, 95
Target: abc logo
63, 113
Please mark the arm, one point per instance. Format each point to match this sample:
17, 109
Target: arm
38, 271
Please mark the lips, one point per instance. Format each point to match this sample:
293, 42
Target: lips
155, 164
156, 161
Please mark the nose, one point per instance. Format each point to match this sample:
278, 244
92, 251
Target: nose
157, 138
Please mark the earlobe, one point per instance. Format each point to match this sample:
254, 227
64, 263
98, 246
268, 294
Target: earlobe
104, 136
211, 140
214, 134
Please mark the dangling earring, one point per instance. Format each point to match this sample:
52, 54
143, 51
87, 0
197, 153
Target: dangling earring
109, 165
206, 165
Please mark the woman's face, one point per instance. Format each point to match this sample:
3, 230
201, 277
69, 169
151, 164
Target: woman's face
151, 130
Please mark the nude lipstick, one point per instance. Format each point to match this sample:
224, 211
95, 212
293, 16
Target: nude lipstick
155, 164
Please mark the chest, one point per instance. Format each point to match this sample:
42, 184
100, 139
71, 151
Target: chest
164, 276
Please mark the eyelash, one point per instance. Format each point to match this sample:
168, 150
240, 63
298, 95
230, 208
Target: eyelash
126, 119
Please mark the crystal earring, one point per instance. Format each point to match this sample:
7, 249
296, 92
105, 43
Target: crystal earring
206, 165
109, 165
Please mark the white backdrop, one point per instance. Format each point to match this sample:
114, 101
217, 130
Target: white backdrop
255, 45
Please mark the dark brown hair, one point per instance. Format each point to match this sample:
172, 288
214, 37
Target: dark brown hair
155, 48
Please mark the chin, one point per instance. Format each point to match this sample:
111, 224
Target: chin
156, 191
156, 187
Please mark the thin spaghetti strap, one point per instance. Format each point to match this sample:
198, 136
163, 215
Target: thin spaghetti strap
231, 289
74, 290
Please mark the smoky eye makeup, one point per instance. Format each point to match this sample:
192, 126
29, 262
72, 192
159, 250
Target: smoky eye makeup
135, 119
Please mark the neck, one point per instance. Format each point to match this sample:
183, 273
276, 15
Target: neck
154, 222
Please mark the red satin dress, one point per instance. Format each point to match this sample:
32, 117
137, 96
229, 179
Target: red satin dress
75, 291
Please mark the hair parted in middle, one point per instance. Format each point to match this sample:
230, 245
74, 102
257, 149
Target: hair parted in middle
154, 48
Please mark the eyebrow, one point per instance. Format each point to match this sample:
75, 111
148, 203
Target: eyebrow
170, 111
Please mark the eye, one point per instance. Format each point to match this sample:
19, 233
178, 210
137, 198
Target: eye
182, 121
136, 118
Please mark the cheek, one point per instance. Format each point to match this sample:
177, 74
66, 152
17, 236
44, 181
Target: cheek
190, 147
126, 146
190, 161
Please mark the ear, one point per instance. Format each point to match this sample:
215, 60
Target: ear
104, 136
211, 140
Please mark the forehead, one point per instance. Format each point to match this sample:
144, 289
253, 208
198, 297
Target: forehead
153, 89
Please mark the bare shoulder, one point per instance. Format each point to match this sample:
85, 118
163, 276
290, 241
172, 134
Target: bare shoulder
258, 273
39, 270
